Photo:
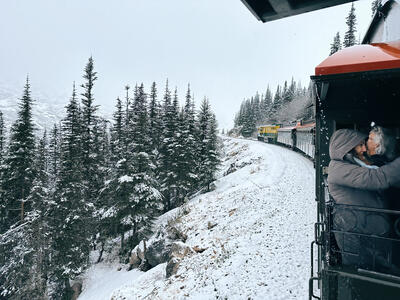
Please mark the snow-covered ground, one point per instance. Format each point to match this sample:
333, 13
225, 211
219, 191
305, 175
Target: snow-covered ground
258, 247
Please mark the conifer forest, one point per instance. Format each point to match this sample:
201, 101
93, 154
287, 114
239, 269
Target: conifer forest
290, 102
67, 190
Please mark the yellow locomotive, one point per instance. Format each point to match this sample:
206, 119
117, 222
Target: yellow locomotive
268, 133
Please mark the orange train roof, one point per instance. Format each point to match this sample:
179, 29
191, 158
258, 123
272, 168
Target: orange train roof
359, 58
304, 126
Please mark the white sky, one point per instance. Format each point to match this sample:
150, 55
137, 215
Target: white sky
216, 45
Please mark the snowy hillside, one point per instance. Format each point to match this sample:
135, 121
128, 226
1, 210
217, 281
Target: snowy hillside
254, 231
46, 110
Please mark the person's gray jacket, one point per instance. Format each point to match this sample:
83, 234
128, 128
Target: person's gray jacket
352, 184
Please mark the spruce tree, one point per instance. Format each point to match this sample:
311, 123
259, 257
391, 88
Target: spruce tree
213, 159
203, 120
276, 105
350, 35
2, 194
188, 163
266, 106
336, 45
54, 155
146, 197
89, 126
118, 189
39, 227
2, 138
91, 146
117, 133
25, 248
71, 241
155, 131
376, 4
166, 176
19, 171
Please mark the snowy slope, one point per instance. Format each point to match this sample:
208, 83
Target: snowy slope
259, 247
46, 110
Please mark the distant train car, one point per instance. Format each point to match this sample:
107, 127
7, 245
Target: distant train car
287, 136
305, 138
268, 133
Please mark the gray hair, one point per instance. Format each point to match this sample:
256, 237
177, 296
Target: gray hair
385, 141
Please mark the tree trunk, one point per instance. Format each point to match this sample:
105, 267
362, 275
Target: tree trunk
101, 252
22, 206
122, 240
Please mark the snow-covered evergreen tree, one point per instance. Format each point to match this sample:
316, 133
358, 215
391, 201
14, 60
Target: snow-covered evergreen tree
2, 138
188, 163
117, 133
336, 45
145, 196
213, 159
266, 104
71, 240
25, 248
375, 5
117, 189
54, 154
101, 230
276, 105
2, 195
155, 125
89, 133
132, 190
167, 176
19, 172
350, 35
207, 144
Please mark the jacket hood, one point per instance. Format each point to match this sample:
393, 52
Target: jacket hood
343, 141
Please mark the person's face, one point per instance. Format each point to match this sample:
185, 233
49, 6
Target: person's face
360, 149
371, 145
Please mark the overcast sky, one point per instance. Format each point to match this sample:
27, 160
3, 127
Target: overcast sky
217, 46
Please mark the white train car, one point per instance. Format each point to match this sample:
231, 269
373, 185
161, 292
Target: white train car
287, 136
305, 139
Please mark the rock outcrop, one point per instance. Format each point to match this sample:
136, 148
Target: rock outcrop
179, 250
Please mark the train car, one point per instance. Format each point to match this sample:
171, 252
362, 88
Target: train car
287, 136
305, 138
268, 133
352, 88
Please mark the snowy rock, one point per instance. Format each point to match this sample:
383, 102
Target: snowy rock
174, 233
134, 260
77, 288
180, 250
211, 224
198, 249
138, 257
157, 252
141, 249
172, 266
232, 168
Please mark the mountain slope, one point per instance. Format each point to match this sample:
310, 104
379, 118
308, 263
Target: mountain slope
46, 110
255, 229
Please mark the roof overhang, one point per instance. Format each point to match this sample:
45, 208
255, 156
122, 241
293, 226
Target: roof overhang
270, 10
361, 58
